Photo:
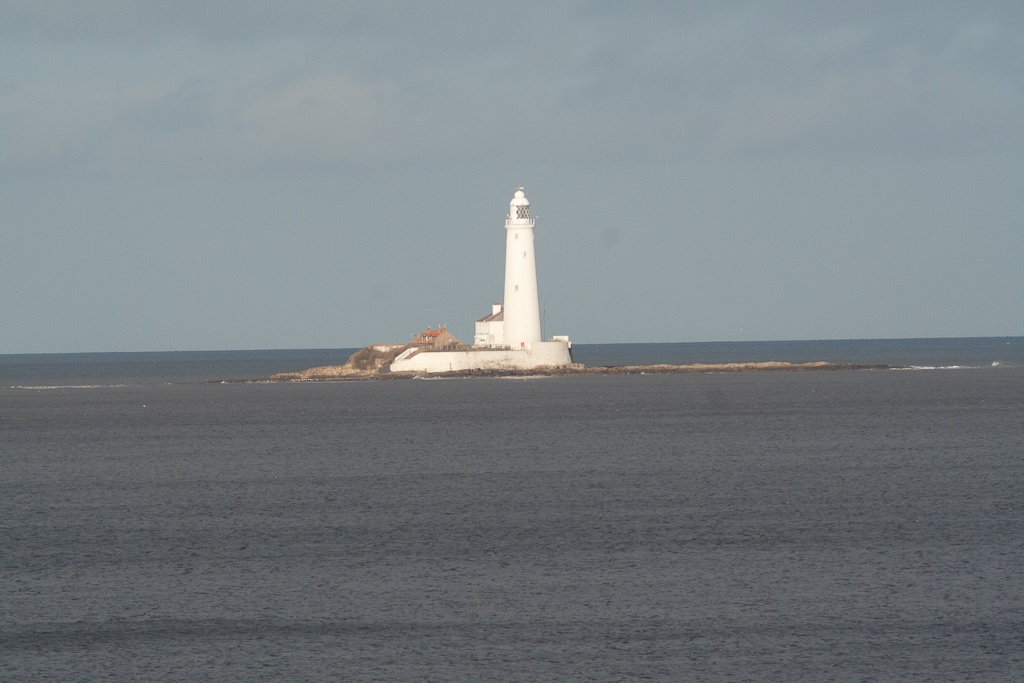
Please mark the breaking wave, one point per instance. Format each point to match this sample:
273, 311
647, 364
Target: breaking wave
69, 386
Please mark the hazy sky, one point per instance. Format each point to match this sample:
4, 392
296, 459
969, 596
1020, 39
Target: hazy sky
229, 174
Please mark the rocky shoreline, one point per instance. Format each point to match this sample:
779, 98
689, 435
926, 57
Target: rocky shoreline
352, 372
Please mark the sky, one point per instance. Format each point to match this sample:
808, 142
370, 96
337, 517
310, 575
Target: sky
229, 174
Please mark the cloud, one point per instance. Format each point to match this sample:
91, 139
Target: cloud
42, 122
121, 21
315, 118
595, 82
310, 118
912, 103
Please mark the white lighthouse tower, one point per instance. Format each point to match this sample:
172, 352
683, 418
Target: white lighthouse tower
508, 339
522, 303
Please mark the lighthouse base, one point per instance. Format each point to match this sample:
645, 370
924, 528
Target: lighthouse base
538, 354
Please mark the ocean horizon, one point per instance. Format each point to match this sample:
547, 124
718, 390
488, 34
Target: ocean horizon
130, 367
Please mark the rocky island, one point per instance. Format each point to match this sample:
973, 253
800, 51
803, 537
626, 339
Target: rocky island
374, 362
507, 342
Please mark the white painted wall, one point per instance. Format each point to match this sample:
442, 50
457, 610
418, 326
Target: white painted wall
489, 333
535, 355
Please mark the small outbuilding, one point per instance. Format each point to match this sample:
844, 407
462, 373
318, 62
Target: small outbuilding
490, 332
437, 340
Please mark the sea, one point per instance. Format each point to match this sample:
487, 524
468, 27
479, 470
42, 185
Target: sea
161, 521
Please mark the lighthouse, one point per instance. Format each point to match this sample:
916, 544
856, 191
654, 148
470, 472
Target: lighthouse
522, 302
508, 338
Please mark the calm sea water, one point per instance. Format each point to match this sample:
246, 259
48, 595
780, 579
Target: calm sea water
765, 526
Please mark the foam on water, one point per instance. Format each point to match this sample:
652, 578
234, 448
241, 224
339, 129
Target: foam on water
942, 367
70, 386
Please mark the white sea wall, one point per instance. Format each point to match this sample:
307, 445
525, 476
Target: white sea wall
554, 353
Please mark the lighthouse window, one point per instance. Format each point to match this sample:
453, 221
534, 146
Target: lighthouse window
522, 212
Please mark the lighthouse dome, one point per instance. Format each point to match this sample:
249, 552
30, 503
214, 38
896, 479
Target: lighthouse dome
519, 209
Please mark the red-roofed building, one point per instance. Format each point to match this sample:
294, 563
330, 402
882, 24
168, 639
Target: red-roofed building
437, 339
